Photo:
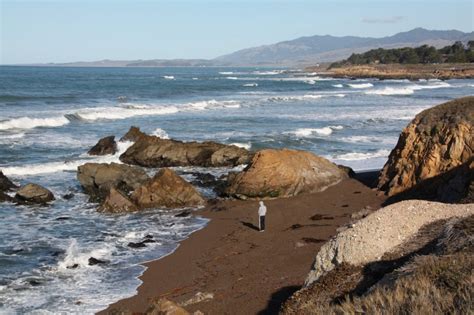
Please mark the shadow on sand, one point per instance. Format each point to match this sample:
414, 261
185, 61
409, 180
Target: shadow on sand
250, 225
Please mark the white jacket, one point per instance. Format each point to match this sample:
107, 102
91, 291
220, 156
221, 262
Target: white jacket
262, 210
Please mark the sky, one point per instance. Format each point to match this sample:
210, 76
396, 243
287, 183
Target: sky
70, 30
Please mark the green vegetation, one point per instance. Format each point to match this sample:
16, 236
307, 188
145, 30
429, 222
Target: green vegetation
456, 53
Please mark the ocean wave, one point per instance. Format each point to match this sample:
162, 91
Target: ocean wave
250, 84
309, 132
337, 85
355, 156
272, 72
246, 146
117, 113
302, 97
168, 77
360, 85
369, 139
211, 104
80, 259
30, 123
407, 90
160, 133
14, 136
54, 167
226, 72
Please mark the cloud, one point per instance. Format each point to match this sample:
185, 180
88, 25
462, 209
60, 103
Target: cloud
383, 20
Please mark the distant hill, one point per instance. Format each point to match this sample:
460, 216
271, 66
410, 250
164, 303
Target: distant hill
298, 52
327, 48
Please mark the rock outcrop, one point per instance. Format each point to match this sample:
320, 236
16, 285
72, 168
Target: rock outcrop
98, 178
381, 232
284, 173
166, 189
5, 183
116, 202
132, 134
437, 141
34, 194
105, 146
151, 151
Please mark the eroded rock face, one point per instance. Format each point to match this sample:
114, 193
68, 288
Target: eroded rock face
98, 178
437, 141
151, 151
116, 202
284, 173
33, 193
105, 146
5, 183
166, 189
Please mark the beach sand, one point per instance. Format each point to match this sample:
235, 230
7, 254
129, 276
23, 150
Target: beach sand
247, 271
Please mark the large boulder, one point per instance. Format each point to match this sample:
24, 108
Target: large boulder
284, 173
152, 151
166, 189
437, 141
34, 194
117, 202
106, 145
5, 183
98, 178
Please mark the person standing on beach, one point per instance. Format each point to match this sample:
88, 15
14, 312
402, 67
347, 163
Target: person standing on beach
262, 211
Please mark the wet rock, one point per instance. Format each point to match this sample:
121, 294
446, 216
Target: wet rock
34, 194
166, 189
183, 214
116, 202
136, 245
68, 196
4, 197
98, 178
284, 173
94, 261
437, 141
5, 183
105, 146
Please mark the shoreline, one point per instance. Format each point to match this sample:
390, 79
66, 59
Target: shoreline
242, 267
411, 72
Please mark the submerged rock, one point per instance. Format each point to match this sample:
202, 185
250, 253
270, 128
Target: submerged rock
166, 189
105, 146
98, 178
116, 202
152, 151
33, 193
438, 141
284, 173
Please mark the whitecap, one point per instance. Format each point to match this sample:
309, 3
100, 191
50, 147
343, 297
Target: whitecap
354, 156
232, 78
168, 77
360, 85
116, 113
337, 85
250, 84
160, 133
246, 146
308, 132
30, 123
391, 91
226, 72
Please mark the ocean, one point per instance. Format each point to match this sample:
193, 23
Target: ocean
51, 116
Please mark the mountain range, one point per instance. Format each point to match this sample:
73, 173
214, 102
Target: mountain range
302, 51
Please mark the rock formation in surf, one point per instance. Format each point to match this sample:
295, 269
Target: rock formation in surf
284, 173
166, 189
33, 194
433, 158
105, 146
117, 202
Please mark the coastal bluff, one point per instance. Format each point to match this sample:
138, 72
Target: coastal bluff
433, 158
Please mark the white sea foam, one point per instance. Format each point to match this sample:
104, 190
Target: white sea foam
75, 257
370, 139
131, 110
211, 104
272, 72
168, 77
246, 146
407, 90
53, 167
309, 132
160, 133
226, 72
195, 78
337, 85
360, 85
30, 123
232, 78
250, 84
302, 97
12, 136
354, 156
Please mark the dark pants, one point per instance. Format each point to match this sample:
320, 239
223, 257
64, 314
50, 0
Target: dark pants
262, 222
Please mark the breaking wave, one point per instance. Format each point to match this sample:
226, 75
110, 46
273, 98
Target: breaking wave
360, 85
30, 123
309, 132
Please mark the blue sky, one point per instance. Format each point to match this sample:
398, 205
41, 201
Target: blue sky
62, 31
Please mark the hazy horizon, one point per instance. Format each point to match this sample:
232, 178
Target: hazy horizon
71, 31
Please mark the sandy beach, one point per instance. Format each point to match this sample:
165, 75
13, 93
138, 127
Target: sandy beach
246, 270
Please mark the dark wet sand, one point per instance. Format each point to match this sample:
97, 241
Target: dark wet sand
251, 272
